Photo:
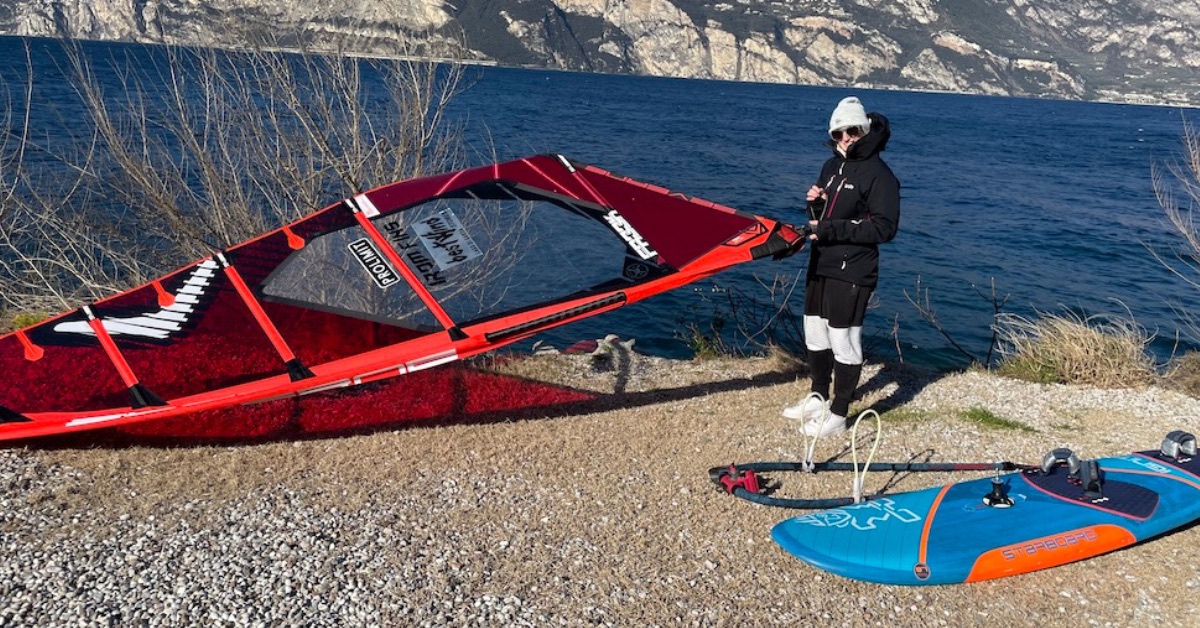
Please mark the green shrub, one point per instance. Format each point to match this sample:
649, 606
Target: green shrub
988, 419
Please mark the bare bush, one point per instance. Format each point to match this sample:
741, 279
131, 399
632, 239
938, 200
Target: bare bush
924, 306
1177, 188
202, 150
768, 324
54, 253
215, 147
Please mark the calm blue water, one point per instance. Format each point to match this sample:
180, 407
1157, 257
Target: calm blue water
1051, 199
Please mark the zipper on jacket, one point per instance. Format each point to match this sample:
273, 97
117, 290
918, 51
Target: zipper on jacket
833, 201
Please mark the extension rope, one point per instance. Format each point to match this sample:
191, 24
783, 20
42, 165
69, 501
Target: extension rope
742, 480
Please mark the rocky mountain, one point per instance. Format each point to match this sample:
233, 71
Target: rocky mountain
1123, 50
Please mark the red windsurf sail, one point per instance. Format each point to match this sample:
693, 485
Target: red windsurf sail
405, 277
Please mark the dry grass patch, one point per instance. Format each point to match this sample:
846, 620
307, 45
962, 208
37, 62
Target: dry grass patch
1100, 351
1184, 374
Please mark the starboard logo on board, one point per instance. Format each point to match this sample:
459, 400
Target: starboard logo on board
876, 511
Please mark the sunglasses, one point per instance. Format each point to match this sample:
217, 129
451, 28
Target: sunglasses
849, 131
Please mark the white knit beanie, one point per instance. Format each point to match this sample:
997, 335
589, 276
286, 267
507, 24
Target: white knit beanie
849, 112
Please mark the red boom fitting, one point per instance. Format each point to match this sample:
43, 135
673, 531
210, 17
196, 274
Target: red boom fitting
739, 479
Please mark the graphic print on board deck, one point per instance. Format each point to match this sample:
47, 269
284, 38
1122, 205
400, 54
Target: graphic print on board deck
405, 277
1052, 516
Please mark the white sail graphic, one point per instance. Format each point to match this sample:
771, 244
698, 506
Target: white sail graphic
158, 324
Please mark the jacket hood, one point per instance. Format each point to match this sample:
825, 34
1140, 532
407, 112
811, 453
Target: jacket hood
871, 143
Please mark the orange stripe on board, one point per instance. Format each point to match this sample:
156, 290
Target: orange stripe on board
1050, 551
937, 501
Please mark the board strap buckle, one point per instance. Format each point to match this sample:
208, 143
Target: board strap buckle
1091, 479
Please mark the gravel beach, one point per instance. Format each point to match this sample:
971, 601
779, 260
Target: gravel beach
605, 516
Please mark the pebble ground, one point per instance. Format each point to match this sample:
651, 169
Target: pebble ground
605, 517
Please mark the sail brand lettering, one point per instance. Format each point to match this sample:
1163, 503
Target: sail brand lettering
629, 235
421, 264
375, 265
446, 239
1049, 544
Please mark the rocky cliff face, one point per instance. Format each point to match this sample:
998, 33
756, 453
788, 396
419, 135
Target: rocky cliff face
1143, 50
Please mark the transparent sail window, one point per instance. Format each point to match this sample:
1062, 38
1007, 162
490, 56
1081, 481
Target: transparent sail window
485, 252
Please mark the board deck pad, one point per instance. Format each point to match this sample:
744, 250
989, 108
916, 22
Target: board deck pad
1121, 498
948, 535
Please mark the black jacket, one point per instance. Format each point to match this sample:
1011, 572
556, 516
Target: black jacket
862, 209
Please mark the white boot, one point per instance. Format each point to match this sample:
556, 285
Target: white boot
829, 425
811, 409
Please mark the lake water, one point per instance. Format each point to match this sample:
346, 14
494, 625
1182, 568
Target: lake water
1050, 199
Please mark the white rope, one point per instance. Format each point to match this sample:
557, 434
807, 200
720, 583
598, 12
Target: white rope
860, 476
810, 447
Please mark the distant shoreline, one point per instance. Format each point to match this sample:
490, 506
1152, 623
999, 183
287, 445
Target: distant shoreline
1128, 99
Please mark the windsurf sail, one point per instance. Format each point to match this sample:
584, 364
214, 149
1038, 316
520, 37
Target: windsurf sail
405, 277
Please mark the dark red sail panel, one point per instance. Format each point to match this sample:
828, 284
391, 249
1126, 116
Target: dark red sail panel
669, 220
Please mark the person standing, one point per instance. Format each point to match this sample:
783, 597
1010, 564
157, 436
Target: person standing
853, 208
